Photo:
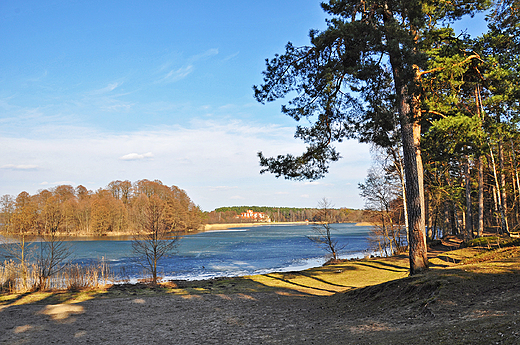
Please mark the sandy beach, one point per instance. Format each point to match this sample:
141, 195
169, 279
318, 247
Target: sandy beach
210, 227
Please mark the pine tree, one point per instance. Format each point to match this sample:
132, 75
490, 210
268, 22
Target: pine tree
361, 77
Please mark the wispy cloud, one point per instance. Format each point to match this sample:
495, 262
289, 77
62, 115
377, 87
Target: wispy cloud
57, 183
39, 77
221, 188
229, 57
175, 75
20, 167
109, 88
136, 156
208, 53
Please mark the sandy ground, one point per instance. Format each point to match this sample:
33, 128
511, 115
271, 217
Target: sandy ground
414, 310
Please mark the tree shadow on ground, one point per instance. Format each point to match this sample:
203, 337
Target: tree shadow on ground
383, 266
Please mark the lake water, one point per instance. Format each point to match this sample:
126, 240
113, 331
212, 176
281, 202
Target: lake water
226, 253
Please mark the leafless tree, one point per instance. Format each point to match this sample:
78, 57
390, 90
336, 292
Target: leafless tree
54, 251
160, 238
52, 258
322, 230
382, 193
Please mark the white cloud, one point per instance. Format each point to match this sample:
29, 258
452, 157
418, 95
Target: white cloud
229, 57
214, 161
57, 183
110, 87
221, 188
206, 54
175, 75
20, 167
136, 156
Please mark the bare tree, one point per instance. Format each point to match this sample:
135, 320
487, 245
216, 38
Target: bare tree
160, 238
54, 251
382, 192
51, 259
322, 231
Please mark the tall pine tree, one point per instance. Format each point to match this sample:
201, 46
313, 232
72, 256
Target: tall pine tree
361, 77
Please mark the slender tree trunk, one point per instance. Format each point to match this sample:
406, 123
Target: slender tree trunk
480, 230
499, 201
516, 183
447, 228
515, 192
398, 163
468, 233
503, 193
480, 113
455, 219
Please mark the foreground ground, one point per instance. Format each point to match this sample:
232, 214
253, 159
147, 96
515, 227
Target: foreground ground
470, 296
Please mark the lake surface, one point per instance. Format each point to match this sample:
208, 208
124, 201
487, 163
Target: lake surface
226, 253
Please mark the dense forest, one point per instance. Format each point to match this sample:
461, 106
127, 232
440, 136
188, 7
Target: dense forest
118, 208
287, 214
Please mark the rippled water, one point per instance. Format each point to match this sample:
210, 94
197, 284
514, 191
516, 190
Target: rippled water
235, 252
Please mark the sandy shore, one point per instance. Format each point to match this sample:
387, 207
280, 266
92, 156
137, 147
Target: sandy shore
209, 227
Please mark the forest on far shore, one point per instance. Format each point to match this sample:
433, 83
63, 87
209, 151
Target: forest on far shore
288, 214
120, 208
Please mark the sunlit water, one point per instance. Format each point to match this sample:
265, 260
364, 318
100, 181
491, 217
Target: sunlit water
226, 253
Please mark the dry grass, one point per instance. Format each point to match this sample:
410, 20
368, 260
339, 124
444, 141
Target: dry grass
19, 278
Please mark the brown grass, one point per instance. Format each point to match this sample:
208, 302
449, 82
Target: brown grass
18, 278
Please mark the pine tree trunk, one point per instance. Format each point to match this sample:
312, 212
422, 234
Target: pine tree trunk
515, 193
498, 200
447, 220
480, 230
398, 163
468, 233
409, 117
455, 220
414, 197
503, 194
516, 174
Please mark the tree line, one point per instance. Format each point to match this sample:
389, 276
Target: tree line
118, 208
287, 214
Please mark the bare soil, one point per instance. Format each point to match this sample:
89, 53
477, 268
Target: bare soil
464, 299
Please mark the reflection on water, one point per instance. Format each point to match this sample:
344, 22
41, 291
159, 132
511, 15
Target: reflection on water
242, 251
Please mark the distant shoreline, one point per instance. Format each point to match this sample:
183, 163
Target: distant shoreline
210, 227
204, 228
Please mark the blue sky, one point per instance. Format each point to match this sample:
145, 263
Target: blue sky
96, 91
